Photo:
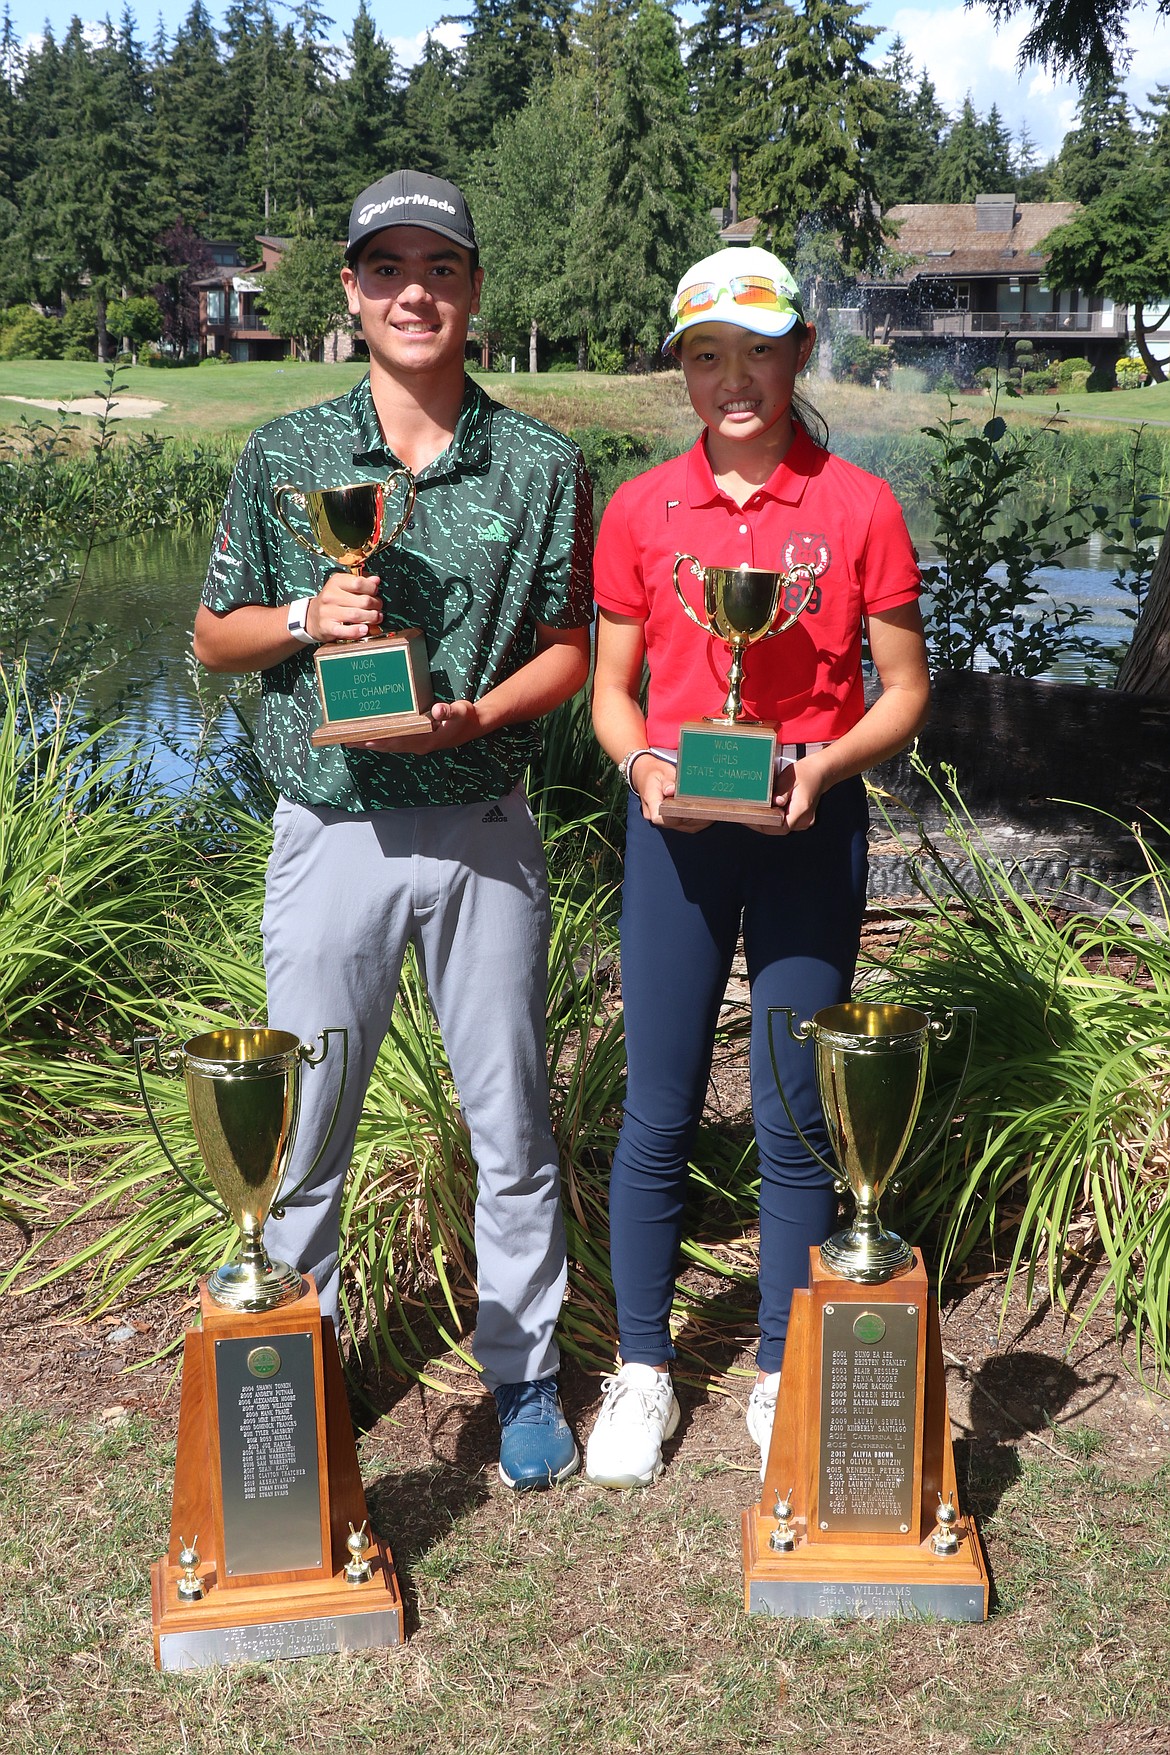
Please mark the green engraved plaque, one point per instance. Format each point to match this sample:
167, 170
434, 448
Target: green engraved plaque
730, 763
363, 684
373, 688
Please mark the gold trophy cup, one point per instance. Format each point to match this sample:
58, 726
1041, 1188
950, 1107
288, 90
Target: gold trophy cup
243, 1090
726, 762
871, 1073
859, 1514
265, 1468
379, 686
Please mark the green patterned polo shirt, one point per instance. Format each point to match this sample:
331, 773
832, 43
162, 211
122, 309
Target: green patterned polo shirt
501, 538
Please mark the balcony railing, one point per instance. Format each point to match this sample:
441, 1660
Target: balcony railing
246, 325
1013, 323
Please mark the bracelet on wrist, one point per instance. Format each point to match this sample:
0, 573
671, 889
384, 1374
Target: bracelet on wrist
626, 765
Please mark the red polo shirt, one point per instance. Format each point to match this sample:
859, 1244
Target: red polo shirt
815, 509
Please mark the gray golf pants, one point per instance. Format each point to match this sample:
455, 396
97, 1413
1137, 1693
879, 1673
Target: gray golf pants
467, 884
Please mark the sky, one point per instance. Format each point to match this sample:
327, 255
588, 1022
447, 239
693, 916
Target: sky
958, 47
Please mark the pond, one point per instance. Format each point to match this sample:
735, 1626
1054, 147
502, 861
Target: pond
147, 589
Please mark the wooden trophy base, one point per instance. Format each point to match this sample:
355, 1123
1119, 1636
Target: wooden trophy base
725, 774
681, 811
861, 1449
380, 687
267, 1488
359, 731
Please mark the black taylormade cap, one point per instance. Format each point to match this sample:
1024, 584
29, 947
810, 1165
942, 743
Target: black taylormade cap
410, 198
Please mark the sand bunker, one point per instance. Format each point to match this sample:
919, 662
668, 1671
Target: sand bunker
121, 408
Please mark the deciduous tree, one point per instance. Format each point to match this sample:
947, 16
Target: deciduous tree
303, 295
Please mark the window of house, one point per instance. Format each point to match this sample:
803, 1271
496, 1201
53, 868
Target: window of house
234, 306
215, 307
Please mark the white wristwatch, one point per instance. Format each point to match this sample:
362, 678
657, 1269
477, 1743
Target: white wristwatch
298, 609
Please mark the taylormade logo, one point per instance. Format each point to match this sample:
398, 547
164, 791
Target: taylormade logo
372, 208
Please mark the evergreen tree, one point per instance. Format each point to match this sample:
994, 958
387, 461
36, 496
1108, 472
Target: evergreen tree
816, 120
975, 158
1155, 135
306, 171
367, 107
645, 223
1030, 179
190, 122
909, 130
510, 45
1102, 147
1075, 38
87, 214
717, 67
428, 133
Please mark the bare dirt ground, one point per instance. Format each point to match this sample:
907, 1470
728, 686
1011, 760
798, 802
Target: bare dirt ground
1017, 1385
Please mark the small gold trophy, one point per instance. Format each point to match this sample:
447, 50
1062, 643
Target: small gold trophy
379, 686
726, 762
265, 1458
872, 1527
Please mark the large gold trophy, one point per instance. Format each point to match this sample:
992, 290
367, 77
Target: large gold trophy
379, 686
270, 1553
726, 763
860, 1513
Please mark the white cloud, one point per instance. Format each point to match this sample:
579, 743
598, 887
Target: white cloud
963, 52
408, 50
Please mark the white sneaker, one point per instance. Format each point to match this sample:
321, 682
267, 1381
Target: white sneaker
761, 1415
639, 1412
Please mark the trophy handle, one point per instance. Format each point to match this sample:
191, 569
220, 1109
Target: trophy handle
311, 1059
295, 494
789, 579
168, 1064
942, 1028
392, 481
799, 1033
698, 571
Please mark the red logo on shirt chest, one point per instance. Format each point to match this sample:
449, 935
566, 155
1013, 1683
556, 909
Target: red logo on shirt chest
807, 551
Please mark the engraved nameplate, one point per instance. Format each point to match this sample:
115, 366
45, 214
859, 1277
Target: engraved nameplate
831, 1600
374, 678
726, 762
278, 1639
869, 1386
268, 1454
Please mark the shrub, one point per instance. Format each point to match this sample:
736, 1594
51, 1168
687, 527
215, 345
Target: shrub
1038, 383
603, 358
1130, 373
79, 330
858, 361
1100, 378
1069, 369
26, 334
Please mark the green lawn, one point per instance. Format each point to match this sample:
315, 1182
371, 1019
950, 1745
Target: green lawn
1129, 406
227, 401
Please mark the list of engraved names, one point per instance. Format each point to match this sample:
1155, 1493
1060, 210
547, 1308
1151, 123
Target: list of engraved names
268, 1425
867, 1431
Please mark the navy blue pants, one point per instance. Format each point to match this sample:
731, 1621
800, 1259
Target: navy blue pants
799, 899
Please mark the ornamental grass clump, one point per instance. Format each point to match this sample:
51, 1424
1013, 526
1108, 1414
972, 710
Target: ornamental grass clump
407, 1244
1060, 1158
